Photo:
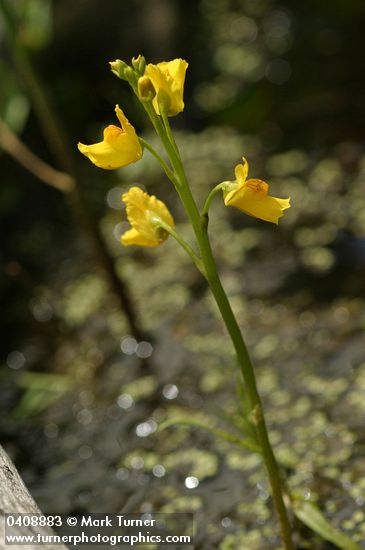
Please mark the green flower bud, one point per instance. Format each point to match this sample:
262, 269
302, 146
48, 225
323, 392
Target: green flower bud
118, 67
146, 90
139, 64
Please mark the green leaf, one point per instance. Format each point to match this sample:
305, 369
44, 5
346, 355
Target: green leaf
231, 438
41, 391
311, 516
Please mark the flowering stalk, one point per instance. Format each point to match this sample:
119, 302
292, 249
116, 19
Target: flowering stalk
200, 225
160, 90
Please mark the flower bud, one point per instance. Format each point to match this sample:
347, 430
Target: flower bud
118, 67
139, 64
146, 90
129, 75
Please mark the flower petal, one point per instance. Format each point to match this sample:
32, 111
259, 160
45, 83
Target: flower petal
259, 186
241, 171
144, 212
119, 147
266, 208
168, 79
133, 237
103, 155
177, 69
128, 128
137, 206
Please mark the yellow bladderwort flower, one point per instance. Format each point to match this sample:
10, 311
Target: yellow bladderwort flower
119, 147
145, 213
168, 79
250, 196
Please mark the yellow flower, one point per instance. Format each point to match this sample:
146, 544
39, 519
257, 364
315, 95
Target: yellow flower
119, 147
146, 214
168, 79
250, 196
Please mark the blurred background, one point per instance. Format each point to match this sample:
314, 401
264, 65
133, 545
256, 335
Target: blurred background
100, 343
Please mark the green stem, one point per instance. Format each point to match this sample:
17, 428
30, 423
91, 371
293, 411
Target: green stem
167, 127
247, 370
211, 196
186, 246
200, 225
158, 157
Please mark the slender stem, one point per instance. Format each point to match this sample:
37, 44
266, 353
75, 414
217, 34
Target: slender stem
158, 157
169, 145
257, 414
186, 246
200, 225
167, 126
211, 196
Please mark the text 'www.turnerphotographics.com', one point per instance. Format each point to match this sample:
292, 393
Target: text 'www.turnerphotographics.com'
102, 529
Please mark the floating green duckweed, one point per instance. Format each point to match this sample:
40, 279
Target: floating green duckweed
359, 516
240, 460
142, 387
212, 380
191, 503
143, 459
252, 540
201, 464
82, 298
266, 346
